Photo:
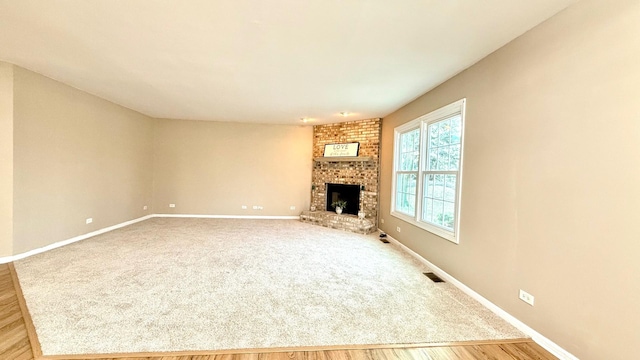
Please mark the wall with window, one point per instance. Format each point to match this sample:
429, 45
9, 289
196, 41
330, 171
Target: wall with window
550, 197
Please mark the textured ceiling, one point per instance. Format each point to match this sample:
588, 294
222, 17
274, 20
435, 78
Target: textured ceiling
270, 61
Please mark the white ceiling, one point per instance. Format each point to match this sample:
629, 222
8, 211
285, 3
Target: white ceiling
271, 61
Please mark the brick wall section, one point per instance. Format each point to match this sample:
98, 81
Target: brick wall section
364, 173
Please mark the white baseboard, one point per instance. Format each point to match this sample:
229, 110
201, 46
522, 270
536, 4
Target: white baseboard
549, 345
257, 217
8, 259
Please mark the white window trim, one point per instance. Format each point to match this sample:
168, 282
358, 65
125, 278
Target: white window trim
422, 123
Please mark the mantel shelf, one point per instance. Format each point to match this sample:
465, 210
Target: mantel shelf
343, 158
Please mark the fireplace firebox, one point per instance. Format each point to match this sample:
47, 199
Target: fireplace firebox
348, 193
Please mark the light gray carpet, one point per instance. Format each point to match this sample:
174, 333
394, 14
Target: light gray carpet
171, 284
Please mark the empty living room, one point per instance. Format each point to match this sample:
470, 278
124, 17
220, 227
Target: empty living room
319, 180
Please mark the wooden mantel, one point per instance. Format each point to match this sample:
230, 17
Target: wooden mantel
344, 158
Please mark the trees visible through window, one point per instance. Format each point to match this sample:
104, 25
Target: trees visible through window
427, 168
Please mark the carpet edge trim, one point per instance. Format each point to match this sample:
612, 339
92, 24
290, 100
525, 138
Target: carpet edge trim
540, 339
284, 349
36, 350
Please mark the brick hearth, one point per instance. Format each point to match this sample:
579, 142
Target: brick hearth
344, 221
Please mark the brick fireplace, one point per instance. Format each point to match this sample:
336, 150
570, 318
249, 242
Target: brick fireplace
362, 170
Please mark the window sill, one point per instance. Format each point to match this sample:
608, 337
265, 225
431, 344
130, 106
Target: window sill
447, 235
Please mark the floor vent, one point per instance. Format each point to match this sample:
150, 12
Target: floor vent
433, 277
384, 240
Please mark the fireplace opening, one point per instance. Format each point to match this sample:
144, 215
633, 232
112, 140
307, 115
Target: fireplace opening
348, 193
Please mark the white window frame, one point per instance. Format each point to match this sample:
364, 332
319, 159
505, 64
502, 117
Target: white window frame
422, 123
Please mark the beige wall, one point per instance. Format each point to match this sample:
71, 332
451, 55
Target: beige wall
551, 178
75, 156
207, 167
6, 159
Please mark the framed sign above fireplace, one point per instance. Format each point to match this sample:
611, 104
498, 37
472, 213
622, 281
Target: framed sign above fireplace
341, 150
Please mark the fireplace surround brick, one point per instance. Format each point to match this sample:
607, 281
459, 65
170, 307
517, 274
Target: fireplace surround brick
363, 171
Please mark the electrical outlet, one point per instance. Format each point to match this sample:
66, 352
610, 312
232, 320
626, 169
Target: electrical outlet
381, 221
172, 205
398, 229
292, 207
244, 207
255, 207
144, 207
526, 297
89, 220
260, 208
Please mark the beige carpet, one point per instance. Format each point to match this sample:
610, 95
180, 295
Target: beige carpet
171, 284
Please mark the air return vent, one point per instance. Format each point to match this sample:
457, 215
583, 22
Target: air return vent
433, 277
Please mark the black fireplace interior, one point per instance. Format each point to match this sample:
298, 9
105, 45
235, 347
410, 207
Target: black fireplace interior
348, 193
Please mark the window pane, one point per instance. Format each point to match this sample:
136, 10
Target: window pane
456, 129
438, 208
427, 210
430, 186
433, 159
407, 161
433, 134
448, 215
444, 136
427, 200
454, 157
406, 193
405, 142
439, 196
411, 183
409, 156
438, 191
443, 158
450, 188
416, 140
410, 204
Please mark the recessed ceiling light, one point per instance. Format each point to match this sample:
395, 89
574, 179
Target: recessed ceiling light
345, 113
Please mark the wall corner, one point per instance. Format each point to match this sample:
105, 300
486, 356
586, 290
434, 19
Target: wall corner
6, 159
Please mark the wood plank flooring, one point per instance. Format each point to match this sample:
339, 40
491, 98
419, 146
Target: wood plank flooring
15, 344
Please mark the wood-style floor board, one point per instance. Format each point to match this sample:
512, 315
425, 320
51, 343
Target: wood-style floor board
15, 343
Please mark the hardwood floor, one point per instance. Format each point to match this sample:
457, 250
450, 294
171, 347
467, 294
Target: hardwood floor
15, 343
